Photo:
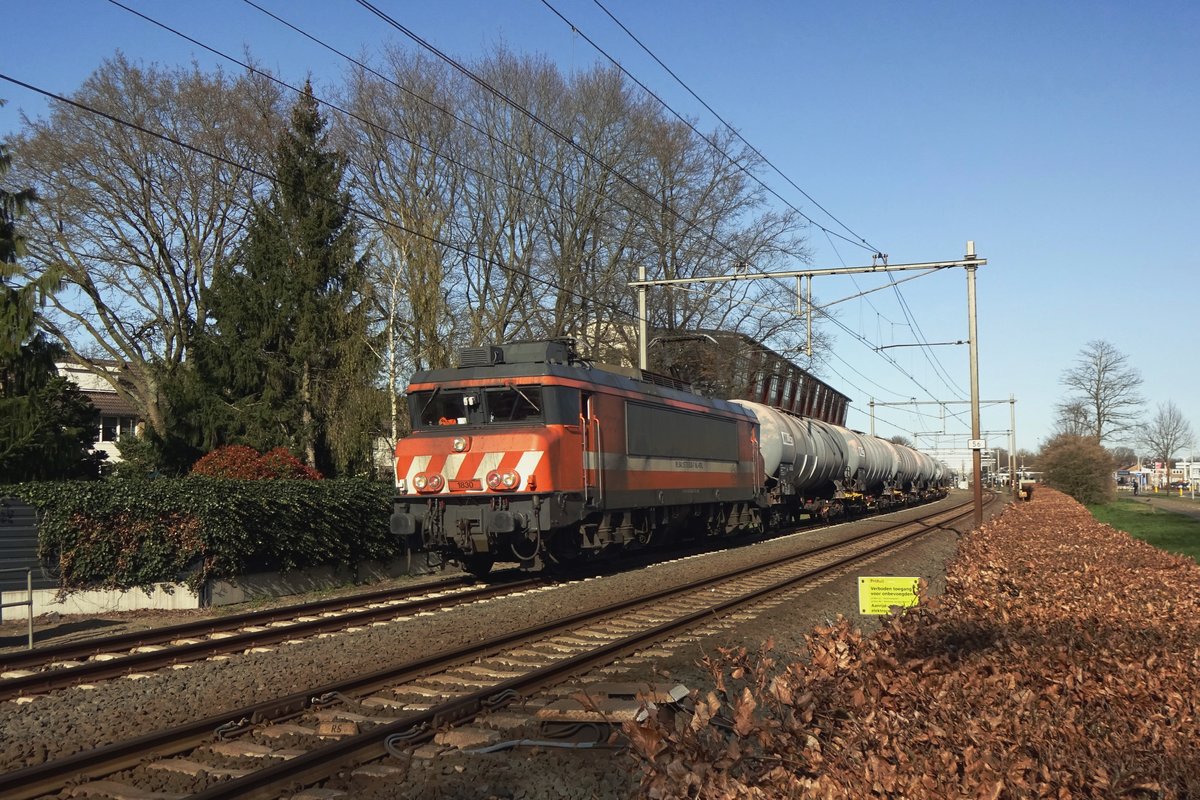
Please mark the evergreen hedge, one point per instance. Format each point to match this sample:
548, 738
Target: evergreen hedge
124, 534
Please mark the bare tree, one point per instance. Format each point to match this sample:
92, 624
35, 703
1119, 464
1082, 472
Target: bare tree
588, 215
1104, 384
500, 216
1074, 419
704, 216
1123, 455
1166, 433
404, 150
136, 224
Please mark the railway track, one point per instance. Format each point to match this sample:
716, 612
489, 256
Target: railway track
307, 736
88, 661
51, 668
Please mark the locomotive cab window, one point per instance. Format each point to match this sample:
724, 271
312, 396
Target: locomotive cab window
444, 407
514, 404
476, 406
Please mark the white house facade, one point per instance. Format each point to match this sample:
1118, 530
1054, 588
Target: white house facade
117, 418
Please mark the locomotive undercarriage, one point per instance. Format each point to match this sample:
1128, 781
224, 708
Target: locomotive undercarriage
557, 528
603, 532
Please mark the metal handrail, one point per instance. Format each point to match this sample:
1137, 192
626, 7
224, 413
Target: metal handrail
28, 601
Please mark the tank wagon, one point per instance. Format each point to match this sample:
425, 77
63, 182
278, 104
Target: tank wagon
526, 452
820, 469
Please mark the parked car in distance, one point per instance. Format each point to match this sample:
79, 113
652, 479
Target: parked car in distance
1180, 485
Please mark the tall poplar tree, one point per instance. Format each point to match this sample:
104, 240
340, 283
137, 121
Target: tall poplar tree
287, 352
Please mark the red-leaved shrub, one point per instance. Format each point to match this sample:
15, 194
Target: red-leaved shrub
279, 463
244, 463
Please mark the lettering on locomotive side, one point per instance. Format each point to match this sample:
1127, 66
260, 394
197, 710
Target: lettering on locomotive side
689, 465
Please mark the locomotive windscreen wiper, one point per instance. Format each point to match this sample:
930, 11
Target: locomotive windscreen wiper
429, 402
532, 404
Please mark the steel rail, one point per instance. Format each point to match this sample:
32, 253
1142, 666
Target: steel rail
319, 764
202, 627
125, 663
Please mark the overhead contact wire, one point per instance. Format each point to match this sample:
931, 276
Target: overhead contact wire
742, 167
730, 127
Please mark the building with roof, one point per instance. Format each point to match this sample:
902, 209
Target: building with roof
117, 418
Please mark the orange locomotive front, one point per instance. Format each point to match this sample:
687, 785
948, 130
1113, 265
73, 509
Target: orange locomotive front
528, 453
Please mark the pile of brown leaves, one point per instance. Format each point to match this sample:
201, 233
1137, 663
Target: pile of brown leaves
1062, 661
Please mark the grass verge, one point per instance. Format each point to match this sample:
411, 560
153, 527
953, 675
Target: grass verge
1175, 533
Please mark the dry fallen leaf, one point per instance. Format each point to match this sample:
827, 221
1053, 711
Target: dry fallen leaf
1062, 660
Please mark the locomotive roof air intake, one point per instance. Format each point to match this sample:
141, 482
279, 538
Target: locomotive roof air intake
480, 356
552, 351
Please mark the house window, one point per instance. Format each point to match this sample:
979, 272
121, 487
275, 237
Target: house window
112, 428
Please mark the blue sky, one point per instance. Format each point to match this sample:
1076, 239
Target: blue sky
1060, 137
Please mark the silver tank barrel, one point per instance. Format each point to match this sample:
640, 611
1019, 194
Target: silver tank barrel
810, 455
806, 453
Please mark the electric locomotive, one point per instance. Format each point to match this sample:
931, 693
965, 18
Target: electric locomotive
526, 452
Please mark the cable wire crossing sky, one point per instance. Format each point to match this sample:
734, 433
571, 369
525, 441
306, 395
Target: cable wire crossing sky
1059, 138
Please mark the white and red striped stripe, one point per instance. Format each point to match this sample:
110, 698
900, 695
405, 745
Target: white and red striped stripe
471, 466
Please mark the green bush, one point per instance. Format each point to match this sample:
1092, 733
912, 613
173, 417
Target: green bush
1078, 466
122, 534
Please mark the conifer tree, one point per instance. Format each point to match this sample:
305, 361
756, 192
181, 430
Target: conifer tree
46, 424
289, 335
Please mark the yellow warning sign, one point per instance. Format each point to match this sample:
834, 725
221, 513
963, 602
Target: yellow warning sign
877, 595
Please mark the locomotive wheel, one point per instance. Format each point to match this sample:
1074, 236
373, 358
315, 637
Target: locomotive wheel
478, 565
564, 548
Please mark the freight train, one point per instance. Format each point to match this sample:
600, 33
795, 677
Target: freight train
526, 452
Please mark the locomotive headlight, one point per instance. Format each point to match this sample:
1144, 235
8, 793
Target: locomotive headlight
461, 443
428, 482
503, 481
